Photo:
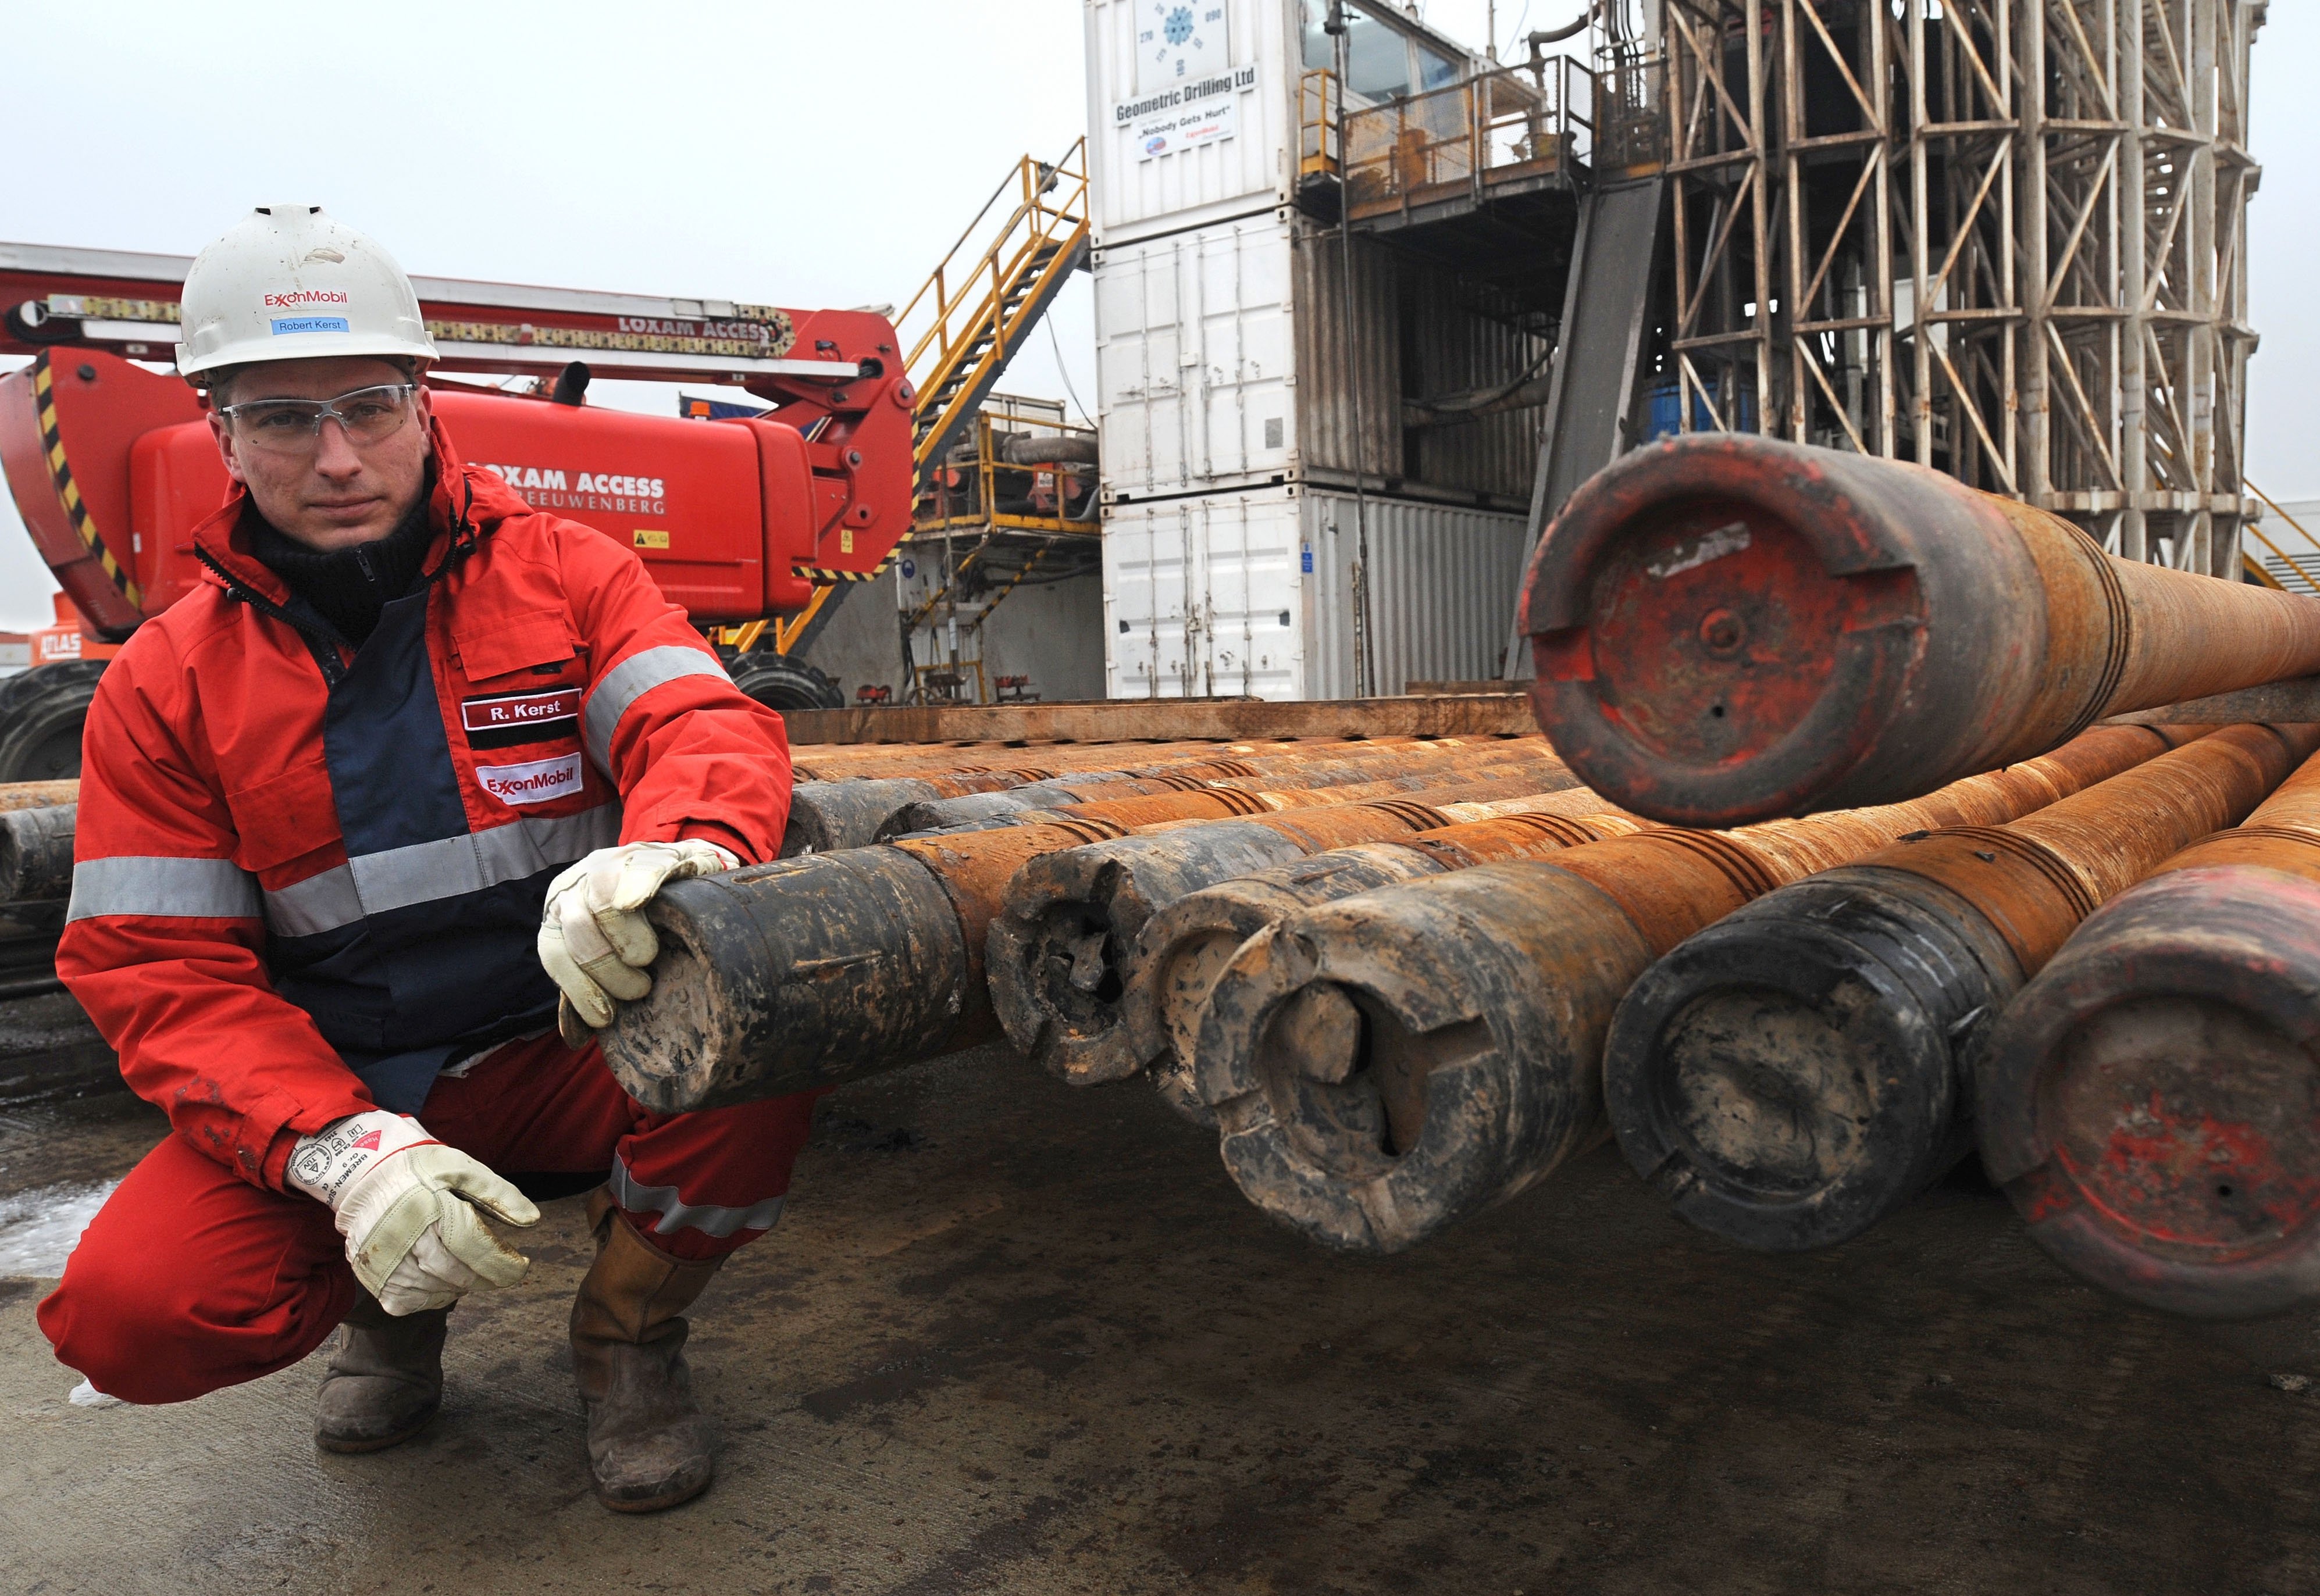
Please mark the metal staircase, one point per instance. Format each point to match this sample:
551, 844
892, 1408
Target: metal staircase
990, 291
963, 326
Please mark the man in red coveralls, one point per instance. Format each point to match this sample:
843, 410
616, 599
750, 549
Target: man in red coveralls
411, 743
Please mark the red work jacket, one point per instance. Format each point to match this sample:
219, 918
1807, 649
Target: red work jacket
308, 876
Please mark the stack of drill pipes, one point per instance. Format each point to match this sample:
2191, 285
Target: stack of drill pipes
1065, 949
1124, 779
805, 971
1384, 1065
1318, 766
1528, 760
1180, 952
1796, 1073
821, 762
1728, 628
842, 761
826, 815
2149, 1101
1164, 982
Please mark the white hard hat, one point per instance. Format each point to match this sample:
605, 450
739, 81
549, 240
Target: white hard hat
290, 283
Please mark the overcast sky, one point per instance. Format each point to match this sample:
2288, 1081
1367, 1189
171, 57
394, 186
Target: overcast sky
773, 151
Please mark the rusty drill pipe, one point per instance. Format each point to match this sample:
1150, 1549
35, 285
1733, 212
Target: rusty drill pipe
772, 980
1071, 916
2150, 1102
1181, 952
857, 810
36, 853
778, 977
1799, 1070
852, 814
1384, 1066
846, 762
1428, 762
1728, 629
826, 816
1182, 949
1059, 954
973, 810
1214, 802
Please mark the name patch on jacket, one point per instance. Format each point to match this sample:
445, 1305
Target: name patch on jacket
535, 782
510, 718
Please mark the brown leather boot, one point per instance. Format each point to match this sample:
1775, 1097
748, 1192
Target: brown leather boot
384, 1380
648, 1446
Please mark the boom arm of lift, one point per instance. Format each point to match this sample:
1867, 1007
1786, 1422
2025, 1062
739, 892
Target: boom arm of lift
111, 466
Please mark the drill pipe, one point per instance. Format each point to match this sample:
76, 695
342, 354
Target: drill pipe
1798, 1071
1501, 778
1059, 948
855, 813
1728, 627
1179, 953
2150, 1102
1385, 1065
36, 853
825, 816
781, 976
1307, 772
852, 762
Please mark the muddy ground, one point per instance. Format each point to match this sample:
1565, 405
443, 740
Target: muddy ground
1012, 1336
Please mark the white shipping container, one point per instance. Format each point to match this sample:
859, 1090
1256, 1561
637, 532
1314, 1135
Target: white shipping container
1195, 347
1160, 166
1229, 381
1252, 592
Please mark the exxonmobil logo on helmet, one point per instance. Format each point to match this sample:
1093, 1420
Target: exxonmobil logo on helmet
305, 296
535, 782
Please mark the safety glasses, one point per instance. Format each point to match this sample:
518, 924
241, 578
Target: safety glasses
294, 426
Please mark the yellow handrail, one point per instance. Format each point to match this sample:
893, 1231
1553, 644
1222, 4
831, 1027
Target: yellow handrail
2286, 558
964, 323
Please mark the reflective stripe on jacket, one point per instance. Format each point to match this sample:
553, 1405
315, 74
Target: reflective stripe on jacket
296, 862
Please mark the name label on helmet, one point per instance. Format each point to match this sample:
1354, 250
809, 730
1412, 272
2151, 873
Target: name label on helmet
535, 782
281, 324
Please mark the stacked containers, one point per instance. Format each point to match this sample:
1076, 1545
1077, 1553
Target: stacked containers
1234, 550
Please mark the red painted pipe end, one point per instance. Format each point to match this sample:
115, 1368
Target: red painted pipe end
2151, 1100
1728, 628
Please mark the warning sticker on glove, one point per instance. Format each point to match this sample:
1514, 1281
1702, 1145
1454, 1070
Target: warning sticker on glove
535, 782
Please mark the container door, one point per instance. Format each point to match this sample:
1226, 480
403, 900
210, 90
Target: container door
1193, 358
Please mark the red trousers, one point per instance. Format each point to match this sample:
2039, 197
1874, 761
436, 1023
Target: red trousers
190, 1279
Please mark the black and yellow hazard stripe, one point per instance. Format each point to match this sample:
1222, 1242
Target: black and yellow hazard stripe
67, 493
824, 573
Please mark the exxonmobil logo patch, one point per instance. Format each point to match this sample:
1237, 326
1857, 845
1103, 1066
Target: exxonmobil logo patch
535, 782
305, 296
511, 718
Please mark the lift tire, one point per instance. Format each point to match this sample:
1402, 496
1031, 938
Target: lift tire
42, 713
779, 682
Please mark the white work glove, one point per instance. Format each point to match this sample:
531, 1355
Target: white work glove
406, 1204
594, 939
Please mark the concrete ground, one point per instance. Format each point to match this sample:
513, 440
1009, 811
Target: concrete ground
1011, 1337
